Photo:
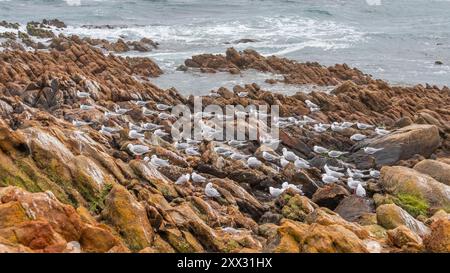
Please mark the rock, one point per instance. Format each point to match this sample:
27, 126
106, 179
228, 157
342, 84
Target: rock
436, 169
391, 216
330, 196
401, 144
297, 208
331, 239
403, 237
403, 122
405, 181
99, 239
439, 238
354, 208
129, 217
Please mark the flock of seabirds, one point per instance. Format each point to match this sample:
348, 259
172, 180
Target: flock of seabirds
354, 178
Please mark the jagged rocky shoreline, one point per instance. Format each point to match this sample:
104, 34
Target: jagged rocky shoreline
69, 182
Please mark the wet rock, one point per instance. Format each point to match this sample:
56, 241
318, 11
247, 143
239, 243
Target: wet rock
404, 238
129, 217
405, 181
401, 144
297, 208
391, 216
330, 196
439, 238
354, 208
436, 169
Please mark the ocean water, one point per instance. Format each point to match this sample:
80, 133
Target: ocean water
395, 40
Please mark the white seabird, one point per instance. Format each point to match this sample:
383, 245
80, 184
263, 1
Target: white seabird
371, 150
331, 172
192, 151
160, 133
381, 131
148, 112
253, 162
80, 123
162, 106
183, 179
138, 150
275, 192
210, 191
360, 191
320, 150
83, 95
300, 163
133, 134
269, 157
86, 107
197, 178
358, 137
288, 155
363, 126
158, 162
327, 179
336, 154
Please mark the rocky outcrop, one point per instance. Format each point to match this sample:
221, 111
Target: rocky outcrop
436, 169
405, 181
439, 239
402, 144
391, 216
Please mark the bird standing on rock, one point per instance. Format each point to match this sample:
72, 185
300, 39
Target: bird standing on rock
360, 191
358, 137
197, 178
183, 179
210, 191
320, 149
381, 131
138, 150
253, 162
158, 162
371, 150
133, 134
327, 179
163, 107
363, 126
336, 154
288, 155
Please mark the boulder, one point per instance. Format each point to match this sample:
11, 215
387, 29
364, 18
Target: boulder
403, 181
354, 208
129, 217
390, 216
400, 144
403, 237
436, 169
330, 196
439, 238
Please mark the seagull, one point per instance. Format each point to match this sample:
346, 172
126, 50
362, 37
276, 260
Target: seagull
374, 173
83, 95
214, 95
275, 192
358, 137
347, 124
191, 151
133, 134
148, 112
220, 150
287, 185
238, 156
242, 94
337, 169
320, 128
336, 127
210, 191
371, 150
138, 150
197, 178
310, 104
269, 157
283, 162
363, 126
353, 184
157, 162
110, 129
236, 143
162, 107
132, 126
329, 171
381, 131
269, 141
288, 155
308, 119
183, 179
104, 132
360, 191
336, 154
80, 123
356, 174
122, 111
140, 103
181, 145
109, 114
192, 141
300, 163
150, 126
86, 107
327, 179
253, 162
163, 115
320, 150
160, 133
